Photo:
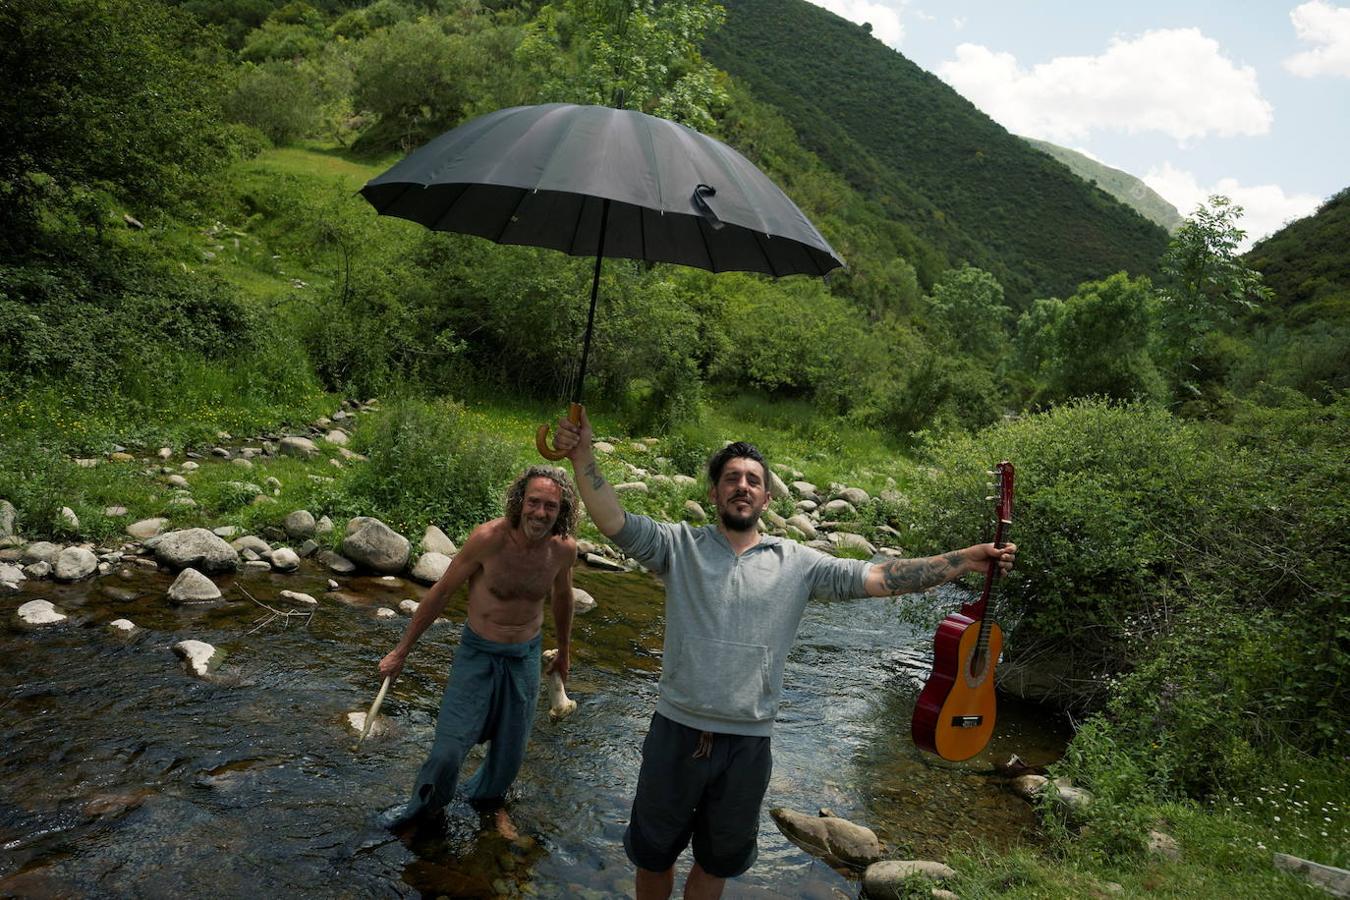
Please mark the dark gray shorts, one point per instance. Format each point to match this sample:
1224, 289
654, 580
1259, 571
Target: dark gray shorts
714, 800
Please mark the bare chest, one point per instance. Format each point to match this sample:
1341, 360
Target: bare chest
520, 574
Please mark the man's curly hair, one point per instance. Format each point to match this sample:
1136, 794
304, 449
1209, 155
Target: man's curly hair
566, 525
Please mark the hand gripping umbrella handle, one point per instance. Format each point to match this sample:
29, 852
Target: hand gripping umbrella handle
541, 435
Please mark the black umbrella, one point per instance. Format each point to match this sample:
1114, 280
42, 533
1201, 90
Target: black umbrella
597, 181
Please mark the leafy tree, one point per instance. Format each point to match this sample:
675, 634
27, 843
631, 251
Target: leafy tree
103, 97
1204, 284
967, 305
585, 51
1096, 342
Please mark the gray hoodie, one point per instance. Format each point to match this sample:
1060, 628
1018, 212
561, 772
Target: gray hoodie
730, 620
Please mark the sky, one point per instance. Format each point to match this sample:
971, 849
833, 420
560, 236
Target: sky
1246, 98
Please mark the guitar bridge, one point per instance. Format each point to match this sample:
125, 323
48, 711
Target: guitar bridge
967, 721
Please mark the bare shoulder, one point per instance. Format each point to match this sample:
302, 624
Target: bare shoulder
565, 546
488, 537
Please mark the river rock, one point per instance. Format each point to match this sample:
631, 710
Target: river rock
299, 525
121, 626
37, 570
75, 563
40, 612
356, 721
146, 528
196, 654
803, 524
374, 545
805, 490
385, 612
582, 602
178, 481
68, 518
335, 563
297, 597
6, 519
694, 511
847, 540
595, 560
198, 548
251, 543
1163, 845
298, 446
337, 437
11, 574
284, 559
777, 489
430, 567
1334, 881
41, 551
855, 497
631, 487
838, 509
408, 607
837, 841
436, 541
323, 526
886, 879
192, 586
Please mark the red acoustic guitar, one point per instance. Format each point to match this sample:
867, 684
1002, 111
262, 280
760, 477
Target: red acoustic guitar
954, 717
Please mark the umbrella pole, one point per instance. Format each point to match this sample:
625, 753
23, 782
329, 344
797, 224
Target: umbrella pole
574, 411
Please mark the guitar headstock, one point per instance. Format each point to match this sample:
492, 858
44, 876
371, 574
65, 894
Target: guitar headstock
1004, 491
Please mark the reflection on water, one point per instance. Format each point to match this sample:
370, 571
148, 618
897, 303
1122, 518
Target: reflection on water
123, 775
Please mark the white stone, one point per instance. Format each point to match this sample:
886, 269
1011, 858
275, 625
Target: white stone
430, 567
298, 597
582, 602
436, 541
192, 586
75, 563
298, 446
408, 607
356, 721
385, 612
299, 525
197, 655
337, 436
122, 626
40, 612
284, 559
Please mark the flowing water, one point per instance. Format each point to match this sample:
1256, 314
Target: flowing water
122, 775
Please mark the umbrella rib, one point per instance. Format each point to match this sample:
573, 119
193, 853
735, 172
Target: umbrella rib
768, 258
702, 227
576, 229
463, 189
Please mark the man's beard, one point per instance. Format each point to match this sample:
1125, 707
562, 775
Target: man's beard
733, 522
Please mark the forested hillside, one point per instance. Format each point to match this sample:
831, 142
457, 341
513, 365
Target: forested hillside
1125, 187
1306, 260
932, 159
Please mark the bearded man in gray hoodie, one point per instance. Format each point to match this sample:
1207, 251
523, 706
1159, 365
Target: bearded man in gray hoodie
734, 599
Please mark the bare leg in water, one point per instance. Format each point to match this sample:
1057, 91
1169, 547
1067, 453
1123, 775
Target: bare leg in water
658, 885
505, 827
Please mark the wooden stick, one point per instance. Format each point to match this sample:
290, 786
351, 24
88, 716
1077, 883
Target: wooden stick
374, 708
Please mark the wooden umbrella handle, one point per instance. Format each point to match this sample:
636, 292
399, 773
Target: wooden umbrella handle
541, 435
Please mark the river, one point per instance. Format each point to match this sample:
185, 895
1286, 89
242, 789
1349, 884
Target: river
122, 775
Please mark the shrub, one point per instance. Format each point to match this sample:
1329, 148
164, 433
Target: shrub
428, 463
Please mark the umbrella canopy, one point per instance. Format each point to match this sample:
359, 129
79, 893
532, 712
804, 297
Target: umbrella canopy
541, 176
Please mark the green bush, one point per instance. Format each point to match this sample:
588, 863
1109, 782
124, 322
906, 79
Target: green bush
430, 462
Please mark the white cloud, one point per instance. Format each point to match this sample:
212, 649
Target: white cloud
959, 23
1174, 81
885, 20
1267, 208
1321, 23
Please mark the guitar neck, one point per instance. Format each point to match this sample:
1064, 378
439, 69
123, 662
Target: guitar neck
977, 609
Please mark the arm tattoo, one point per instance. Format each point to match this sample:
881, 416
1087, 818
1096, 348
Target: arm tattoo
597, 481
906, 576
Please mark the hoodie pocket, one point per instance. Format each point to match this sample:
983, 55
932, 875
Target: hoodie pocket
721, 679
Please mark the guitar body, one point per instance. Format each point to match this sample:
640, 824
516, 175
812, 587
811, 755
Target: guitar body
954, 716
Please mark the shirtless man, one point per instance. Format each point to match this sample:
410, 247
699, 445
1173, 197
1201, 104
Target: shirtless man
512, 565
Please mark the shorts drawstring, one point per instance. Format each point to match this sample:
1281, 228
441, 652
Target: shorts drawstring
704, 749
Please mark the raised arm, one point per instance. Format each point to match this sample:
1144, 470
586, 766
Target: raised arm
562, 613
602, 503
908, 576
467, 561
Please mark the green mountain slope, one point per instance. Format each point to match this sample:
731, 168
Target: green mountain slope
928, 156
1306, 260
1122, 185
